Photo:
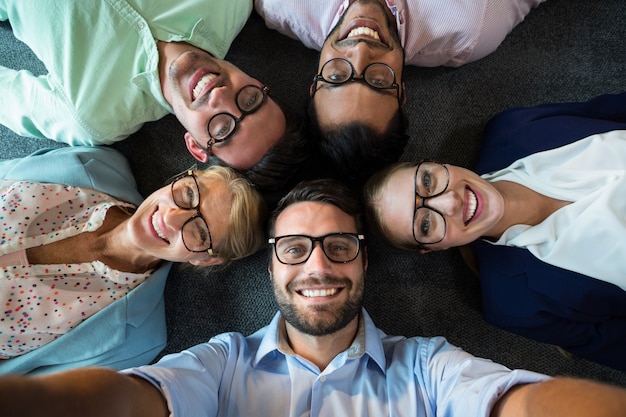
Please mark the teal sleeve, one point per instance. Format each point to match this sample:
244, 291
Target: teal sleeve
100, 168
36, 111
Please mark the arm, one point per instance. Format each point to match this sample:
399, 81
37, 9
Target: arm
528, 297
519, 132
565, 397
39, 112
81, 392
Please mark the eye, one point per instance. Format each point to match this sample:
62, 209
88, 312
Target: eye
294, 251
196, 234
337, 73
185, 193
202, 234
427, 182
422, 225
222, 130
220, 126
378, 76
425, 225
248, 100
339, 247
190, 195
377, 82
337, 77
293, 248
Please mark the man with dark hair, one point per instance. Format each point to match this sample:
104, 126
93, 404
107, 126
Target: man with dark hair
114, 65
320, 355
364, 45
354, 151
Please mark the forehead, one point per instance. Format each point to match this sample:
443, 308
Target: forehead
355, 102
313, 219
255, 135
397, 200
215, 198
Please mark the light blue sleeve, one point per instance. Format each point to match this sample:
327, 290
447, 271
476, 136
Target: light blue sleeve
100, 168
132, 330
456, 383
190, 380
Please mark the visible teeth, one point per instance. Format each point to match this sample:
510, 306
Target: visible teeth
156, 227
319, 293
364, 31
472, 203
201, 83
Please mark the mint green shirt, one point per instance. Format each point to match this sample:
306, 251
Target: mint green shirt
102, 61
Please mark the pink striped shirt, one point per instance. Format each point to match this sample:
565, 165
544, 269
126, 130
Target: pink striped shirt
433, 32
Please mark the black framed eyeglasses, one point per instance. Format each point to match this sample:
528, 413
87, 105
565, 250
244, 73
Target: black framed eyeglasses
223, 125
429, 225
377, 75
296, 249
195, 231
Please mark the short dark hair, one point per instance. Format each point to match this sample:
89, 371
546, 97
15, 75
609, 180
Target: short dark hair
276, 169
325, 190
355, 151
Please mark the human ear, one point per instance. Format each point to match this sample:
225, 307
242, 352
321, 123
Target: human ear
212, 260
201, 154
365, 260
403, 92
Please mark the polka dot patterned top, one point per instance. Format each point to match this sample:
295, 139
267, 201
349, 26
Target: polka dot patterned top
39, 303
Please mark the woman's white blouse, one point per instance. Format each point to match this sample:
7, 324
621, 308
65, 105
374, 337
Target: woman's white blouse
589, 235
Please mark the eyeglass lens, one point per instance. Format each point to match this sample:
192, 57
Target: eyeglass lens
431, 179
338, 247
376, 75
195, 231
248, 100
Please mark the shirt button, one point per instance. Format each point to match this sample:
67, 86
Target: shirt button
141, 25
323, 378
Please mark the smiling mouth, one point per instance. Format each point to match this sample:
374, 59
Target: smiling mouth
318, 293
195, 93
472, 205
363, 31
157, 228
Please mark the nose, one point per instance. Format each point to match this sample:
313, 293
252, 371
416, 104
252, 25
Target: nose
448, 203
221, 99
175, 217
318, 264
360, 56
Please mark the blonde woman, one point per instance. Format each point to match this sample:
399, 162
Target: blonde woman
83, 257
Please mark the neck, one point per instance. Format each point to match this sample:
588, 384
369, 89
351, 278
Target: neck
114, 248
321, 350
522, 206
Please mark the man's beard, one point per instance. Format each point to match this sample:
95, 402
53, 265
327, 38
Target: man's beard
339, 318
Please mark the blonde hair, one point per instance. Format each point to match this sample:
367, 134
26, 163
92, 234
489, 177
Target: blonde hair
372, 197
247, 217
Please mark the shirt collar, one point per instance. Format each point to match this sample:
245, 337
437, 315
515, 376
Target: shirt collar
367, 341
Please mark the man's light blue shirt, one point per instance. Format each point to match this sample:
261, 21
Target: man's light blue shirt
102, 61
379, 375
